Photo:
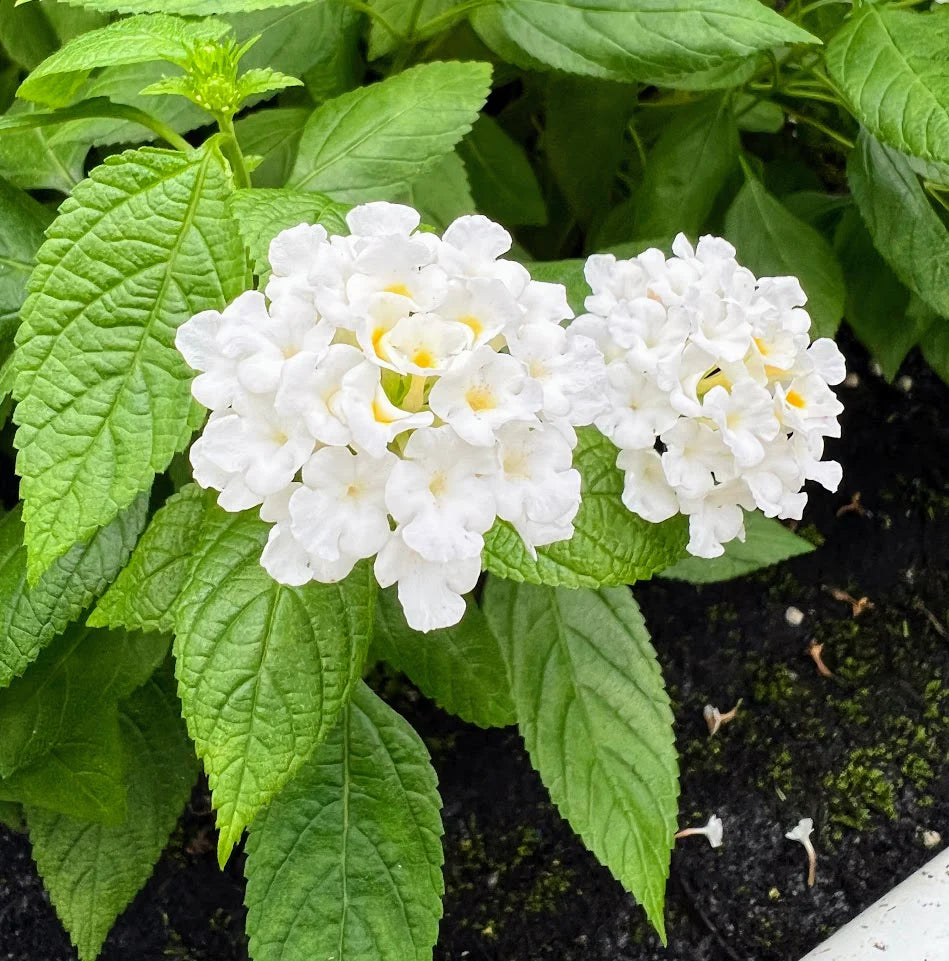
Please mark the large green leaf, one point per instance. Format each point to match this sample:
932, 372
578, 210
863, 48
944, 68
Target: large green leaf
503, 182
442, 193
184, 7
22, 223
772, 242
611, 545
907, 232
273, 135
372, 142
346, 863
595, 716
686, 169
635, 39
31, 160
26, 36
263, 669
135, 40
767, 541
92, 871
72, 679
261, 213
460, 668
104, 395
892, 68
30, 617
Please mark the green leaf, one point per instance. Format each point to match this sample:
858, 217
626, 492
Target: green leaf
372, 142
595, 716
135, 40
772, 242
31, 617
686, 169
31, 160
262, 213
105, 401
197, 8
346, 863
611, 545
503, 182
460, 668
405, 17
22, 223
81, 776
273, 135
935, 347
26, 35
767, 541
11, 816
892, 69
637, 39
340, 66
877, 302
76, 675
92, 871
263, 669
905, 229
442, 193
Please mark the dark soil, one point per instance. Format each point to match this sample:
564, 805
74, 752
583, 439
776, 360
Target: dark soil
865, 752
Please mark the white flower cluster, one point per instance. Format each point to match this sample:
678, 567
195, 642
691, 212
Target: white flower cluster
389, 395
717, 399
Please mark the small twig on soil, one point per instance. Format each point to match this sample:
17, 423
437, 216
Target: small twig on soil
937, 626
715, 719
693, 900
854, 507
857, 605
814, 651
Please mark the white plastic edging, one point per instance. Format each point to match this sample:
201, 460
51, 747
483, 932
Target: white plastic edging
910, 923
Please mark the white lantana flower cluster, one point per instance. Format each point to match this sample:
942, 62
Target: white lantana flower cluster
718, 400
390, 394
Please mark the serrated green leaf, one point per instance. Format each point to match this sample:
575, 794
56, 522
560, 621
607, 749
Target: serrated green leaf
31, 617
460, 668
442, 193
876, 307
907, 232
81, 776
273, 135
611, 545
767, 541
263, 669
261, 214
372, 142
134, 40
891, 67
29, 158
346, 863
77, 674
628, 40
594, 713
686, 169
503, 182
22, 224
93, 871
772, 242
105, 402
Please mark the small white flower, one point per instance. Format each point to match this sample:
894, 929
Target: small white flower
639, 410
646, 491
745, 418
713, 831
424, 344
801, 832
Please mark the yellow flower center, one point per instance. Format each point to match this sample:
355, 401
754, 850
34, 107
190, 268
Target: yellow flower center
795, 399
399, 289
480, 398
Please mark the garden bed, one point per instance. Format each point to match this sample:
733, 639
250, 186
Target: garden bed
864, 753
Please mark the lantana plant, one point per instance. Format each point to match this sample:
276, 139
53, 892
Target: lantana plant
345, 374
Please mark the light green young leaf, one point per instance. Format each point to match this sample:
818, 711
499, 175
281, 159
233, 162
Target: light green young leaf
442, 193
460, 668
767, 542
105, 402
346, 863
81, 776
772, 242
503, 183
636, 39
907, 232
92, 871
877, 302
135, 40
372, 142
79, 673
32, 160
262, 213
686, 169
263, 669
30, 617
611, 545
22, 224
892, 69
593, 710
273, 135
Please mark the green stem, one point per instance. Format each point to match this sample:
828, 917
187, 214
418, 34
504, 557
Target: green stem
232, 150
822, 127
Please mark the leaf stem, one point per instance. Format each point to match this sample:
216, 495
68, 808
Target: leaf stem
374, 14
232, 150
817, 125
